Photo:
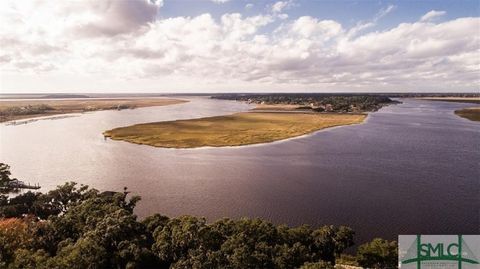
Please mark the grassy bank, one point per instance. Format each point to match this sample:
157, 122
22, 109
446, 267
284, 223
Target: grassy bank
472, 113
23, 109
232, 130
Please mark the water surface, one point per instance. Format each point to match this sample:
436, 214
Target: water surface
410, 168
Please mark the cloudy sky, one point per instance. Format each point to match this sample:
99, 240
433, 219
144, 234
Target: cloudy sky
239, 45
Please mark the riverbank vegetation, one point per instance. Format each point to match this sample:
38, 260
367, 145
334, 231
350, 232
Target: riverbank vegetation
472, 113
79, 227
22, 109
231, 130
12, 185
316, 101
6, 180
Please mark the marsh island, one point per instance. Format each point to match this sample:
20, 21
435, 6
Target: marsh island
243, 128
275, 117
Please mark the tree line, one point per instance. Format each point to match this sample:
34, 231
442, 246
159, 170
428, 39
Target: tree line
74, 226
317, 102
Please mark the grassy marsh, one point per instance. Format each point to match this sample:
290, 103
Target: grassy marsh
23, 109
232, 130
472, 113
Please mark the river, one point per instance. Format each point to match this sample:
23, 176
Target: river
411, 168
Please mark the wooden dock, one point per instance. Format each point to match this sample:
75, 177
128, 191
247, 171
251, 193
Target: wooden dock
22, 185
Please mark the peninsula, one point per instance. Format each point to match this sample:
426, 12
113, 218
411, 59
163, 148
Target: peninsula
471, 113
22, 109
239, 129
315, 102
275, 117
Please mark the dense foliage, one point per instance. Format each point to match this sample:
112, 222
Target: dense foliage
378, 254
317, 102
79, 227
5, 179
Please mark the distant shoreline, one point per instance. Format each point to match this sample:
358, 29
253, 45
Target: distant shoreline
473, 100
13, 110
470, 113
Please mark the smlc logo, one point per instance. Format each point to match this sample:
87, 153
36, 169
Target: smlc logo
438, 251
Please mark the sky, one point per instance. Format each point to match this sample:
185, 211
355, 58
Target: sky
188, 46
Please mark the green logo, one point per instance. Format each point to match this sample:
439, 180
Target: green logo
434, 252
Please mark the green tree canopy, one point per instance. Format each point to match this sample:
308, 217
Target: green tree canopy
5, 179
378, 253
78, 227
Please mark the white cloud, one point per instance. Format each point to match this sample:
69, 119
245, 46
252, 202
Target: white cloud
78, 18
219, 1
75, 45
383, 12
361, 26
279, 6
310, 28
431, 15
249, 6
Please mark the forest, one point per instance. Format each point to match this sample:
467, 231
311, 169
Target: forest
74, 226
317, 102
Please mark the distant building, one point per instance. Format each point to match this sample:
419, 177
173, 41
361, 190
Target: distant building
328, 107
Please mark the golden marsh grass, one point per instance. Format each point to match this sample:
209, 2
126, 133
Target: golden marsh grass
472, 113
232, 130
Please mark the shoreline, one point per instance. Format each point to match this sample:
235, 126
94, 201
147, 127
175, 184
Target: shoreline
469, 113
236, 130
469, 100
261, 144
62, 107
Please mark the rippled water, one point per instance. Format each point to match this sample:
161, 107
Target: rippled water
410, 168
